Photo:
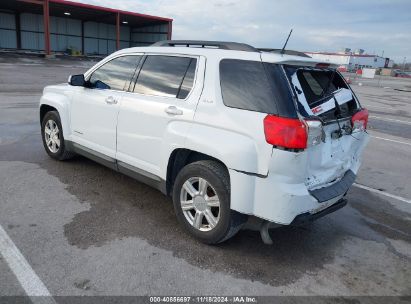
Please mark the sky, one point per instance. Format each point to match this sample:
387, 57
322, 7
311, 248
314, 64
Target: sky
318, 25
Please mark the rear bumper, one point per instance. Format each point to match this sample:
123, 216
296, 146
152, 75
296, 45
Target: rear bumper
310, 217
339, 188
283, 201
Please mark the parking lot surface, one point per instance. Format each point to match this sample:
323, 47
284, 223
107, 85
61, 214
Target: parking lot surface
87, 230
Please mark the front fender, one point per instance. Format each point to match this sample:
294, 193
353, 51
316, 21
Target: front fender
59, 98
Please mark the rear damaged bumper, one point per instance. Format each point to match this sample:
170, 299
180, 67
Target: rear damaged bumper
306, 218
339, 188
283, 202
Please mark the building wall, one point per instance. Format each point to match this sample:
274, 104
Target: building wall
368, 62
340, 60
147, 35
351, 61
8, 37
66, 33
100, 38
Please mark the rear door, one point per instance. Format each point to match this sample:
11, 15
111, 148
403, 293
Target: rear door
155, 114
94, 109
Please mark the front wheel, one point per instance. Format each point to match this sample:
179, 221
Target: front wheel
53, 139
201, 197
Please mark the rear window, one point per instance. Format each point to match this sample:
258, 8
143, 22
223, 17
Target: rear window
315, 83
244, 85
316, 86
256, 86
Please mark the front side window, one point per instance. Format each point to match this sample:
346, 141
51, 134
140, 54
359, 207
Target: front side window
166, 76
115, 74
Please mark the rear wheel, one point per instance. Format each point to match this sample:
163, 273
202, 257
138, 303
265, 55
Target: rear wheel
201, 196
53, 139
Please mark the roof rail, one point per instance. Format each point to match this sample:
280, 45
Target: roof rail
208, 44
287, 52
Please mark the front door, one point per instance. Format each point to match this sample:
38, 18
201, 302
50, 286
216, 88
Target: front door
95, 108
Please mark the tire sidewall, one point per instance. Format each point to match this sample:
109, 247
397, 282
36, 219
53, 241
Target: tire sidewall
223, 191
53, 115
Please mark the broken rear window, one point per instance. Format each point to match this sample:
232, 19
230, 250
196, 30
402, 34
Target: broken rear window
321, 92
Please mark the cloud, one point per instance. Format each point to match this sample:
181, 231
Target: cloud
318, 24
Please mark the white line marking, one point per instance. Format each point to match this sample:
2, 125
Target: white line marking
377, 107
26, 276
402, 199
390, 119
392, 140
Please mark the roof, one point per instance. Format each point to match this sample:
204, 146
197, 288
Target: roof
341, 54
106, 9
219, 53
82, 11
288, 52
207, 44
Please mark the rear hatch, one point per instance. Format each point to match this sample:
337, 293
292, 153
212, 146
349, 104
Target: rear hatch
334, 120
336, 123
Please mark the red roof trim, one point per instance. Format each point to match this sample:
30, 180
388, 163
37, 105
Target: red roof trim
338, 54
111, 10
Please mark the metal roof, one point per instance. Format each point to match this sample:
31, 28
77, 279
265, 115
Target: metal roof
82, 11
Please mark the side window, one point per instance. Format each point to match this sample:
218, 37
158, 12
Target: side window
115, 74
188, 81
244, 85
167, 76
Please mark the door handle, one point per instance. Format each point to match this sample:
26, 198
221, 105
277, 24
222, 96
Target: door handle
111, 100
172, 110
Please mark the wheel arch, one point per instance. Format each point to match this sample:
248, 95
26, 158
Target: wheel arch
55, 101
45, 108
181, 157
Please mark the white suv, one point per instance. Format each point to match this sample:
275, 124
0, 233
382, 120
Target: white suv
225, 129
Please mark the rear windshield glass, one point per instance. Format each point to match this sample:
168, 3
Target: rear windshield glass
256, 86
314, 89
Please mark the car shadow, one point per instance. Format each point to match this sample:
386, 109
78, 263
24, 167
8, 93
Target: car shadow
121, 207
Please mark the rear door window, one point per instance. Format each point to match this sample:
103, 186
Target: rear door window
245, 85
166, 76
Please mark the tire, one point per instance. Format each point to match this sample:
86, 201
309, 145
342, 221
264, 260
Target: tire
51, 122
224, 222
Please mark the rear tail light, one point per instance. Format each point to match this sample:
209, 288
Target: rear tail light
315, 132
284, 132
359, 120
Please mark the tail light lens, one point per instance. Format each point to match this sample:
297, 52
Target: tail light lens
316, 133
359, 120
285, 132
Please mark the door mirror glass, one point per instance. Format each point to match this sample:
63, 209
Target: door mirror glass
77, 80
98, 84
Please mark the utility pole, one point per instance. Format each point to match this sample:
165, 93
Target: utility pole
403, 64
380, 69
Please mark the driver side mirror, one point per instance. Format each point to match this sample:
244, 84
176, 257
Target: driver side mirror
77, 80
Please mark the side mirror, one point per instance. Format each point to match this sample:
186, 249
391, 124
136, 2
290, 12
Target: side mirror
77, 80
